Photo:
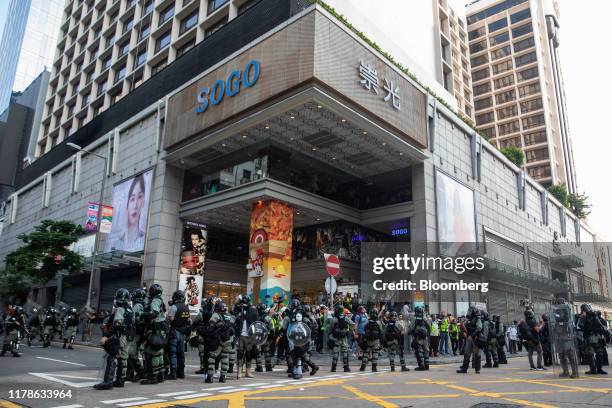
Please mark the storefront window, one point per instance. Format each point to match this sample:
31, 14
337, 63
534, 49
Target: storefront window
227, 291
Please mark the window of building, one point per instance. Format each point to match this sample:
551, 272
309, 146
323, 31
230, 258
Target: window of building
89, 76
163, 41
127, 26
213, 5
106, 63
85, 99
509, 127
124, 48
485, 118
523, 44
215, 27
533, 121
102, 87
539, 172
140, 59
144, 32
81, 122
530, 89
110, 40
536, 137
483, 103
479, 46
113, 18
93, 55
498, 25
531, 105
53, 141
70, 110
480, 74
504, 81
489, 132
525, 59
500, 53
522, 30
158, 67
502, 67
537, 155
96, 109
495, 9
472, 35
482, 59
513, 141
506, 96
147, 8
97, 32
189, 22
120, 73
527, 74
507, 112
136, 81
189, 45
166, 14
245, 6
116, 97
520, 16
482, 88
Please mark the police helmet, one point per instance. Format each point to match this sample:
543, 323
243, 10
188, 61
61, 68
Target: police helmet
586, 308
338, 311
496, 318
393, 316
73, 310
122, 296
373, 314
34, 310
485, 315
559, 301
220, 307
178, 297
155, 290
139, 295
295, 303
418, 311
261, 308
529, 314
246, 300
18, 310
306, 309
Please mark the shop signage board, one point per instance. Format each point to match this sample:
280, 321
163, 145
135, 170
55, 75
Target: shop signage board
330, 285
332, 264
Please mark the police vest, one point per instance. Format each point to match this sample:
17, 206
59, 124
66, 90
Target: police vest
181, 318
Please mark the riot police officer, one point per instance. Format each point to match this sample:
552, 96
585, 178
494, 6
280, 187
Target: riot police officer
34, 327
419, 328
267, 349
312, 325
50, 324
156, 330
340, 338
200, 325
298, 338
563, 334
245, 314
115, 342
70, 325
180, 327
14, 327
500, 331
373, 336
475, 339
219, 338
393, 341
136, 337
594, 337
491, 346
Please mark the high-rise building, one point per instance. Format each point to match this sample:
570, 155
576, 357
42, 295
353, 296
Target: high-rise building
454, 66
28, 43
518, 87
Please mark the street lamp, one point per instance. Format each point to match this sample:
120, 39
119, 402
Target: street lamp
98, 219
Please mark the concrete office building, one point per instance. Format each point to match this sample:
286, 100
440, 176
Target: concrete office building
518, 88
284, 136
27, 44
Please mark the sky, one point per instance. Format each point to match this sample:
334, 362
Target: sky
3, 11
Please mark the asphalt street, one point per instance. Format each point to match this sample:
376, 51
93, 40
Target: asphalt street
75, 371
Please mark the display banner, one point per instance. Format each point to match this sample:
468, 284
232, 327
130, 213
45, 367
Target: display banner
91, 224
193, 263
192, 285
106, 224
131, 200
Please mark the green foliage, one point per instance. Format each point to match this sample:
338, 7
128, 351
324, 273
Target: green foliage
514, 154
579, 204
14, 287
45, 251
559, 191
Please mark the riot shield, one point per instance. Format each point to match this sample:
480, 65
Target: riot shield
563, 341
298, 335
258, 333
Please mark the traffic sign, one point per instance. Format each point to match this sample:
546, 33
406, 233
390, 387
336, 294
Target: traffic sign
330, 285
332, 264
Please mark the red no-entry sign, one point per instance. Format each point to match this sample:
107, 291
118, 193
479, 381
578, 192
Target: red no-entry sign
332, 264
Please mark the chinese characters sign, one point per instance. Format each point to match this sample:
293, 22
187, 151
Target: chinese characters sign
369, 80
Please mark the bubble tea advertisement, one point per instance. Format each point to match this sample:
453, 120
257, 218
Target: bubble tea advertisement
193, 263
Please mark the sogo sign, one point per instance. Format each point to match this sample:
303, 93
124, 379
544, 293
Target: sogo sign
230, 87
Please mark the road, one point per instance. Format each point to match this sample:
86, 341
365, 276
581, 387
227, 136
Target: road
511, 385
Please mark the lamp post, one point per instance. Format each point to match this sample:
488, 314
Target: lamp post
98, 219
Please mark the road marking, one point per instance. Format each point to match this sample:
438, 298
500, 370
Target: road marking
303, 382
370, 398
131, 404
172, 394
234, 390
255, 385
283, 381
116, 401
477, 393
8, 404
62, 361
265, 387
199, 394
69, 406
50, 377
585, 389
217, 388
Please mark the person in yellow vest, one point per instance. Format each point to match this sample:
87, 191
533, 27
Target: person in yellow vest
444, 334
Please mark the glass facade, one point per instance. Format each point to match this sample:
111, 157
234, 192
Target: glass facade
28, 43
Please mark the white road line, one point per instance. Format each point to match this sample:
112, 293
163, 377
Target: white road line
303, 382
130, 404
75, 376
254, 385
234, 390
69, 406
116, 401
217, 388
283, 381
50, 377
172, 394
61, 361
197, 395
263, 387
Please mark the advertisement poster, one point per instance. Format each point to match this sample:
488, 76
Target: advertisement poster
418, 300
456, 213
106, 224
91, 224
193, 249
84, 246
131, 200
270, 249
192, 285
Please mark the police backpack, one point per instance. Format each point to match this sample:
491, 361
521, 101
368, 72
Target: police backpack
372, 331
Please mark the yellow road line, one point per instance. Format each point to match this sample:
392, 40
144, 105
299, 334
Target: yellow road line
413, 396
477, 393
377, 383
571, 387
8, 404
371, 398
284, 398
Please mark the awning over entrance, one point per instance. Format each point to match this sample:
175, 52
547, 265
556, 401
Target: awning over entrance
567, 261
508, 273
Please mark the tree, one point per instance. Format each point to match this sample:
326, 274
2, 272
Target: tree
559, 191
46, 252
514, 154
579, 205
14, 287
